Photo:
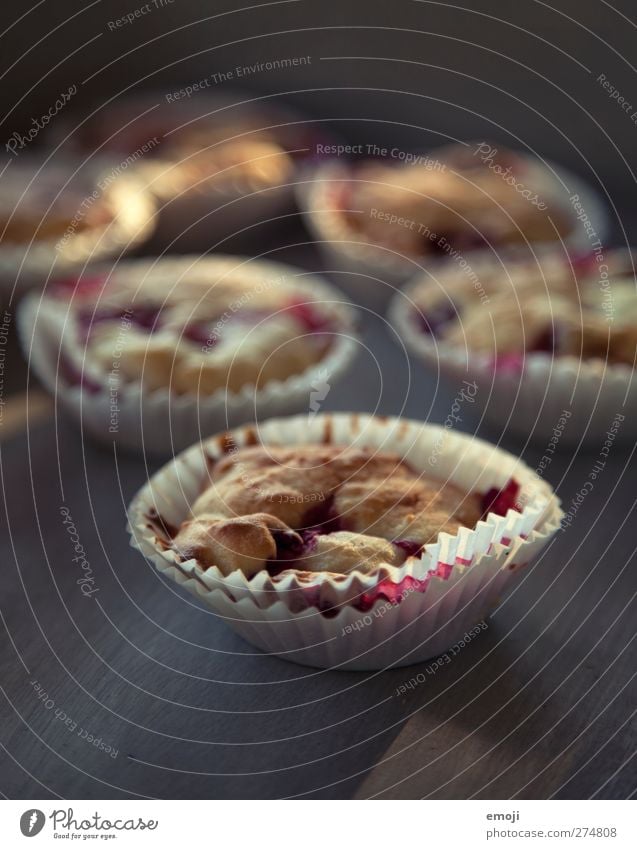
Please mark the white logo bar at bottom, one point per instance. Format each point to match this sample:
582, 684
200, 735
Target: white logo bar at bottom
335, 823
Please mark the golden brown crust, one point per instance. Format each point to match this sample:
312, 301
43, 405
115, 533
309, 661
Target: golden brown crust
318, 508
245, 542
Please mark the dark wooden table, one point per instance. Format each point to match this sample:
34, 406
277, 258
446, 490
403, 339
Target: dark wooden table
138, 691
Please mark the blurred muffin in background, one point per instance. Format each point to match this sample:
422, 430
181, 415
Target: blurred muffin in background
543, 342
55, 217
217, 165
177, 347
388, 218
550, 307
454, 198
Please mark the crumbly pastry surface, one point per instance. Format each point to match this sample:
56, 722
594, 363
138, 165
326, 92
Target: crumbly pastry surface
316, 508
196, 333
548, 306
456, 203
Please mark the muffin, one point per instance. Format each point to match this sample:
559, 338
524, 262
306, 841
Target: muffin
187, 344
387, 220
330, 542
317, 508
54, 216
533, 308
542, 338
218, 167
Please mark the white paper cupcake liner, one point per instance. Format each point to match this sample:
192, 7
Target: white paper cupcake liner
30, 265
159, 422
370, 273
355, 621
559, 400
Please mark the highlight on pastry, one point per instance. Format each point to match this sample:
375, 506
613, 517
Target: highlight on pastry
59, 215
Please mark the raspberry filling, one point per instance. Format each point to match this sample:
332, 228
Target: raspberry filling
309, 317
431, 322
548, 342
312, 321
410, 547
500, 501
513, 363
144, 316
392, 592
65, 286
584, 264
291, 546
294, 545
495, 500
201, 333
149, 317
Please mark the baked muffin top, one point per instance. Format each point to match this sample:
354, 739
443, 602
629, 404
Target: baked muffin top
194, 146
196, 331
319, 508
453, 201
549, 306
